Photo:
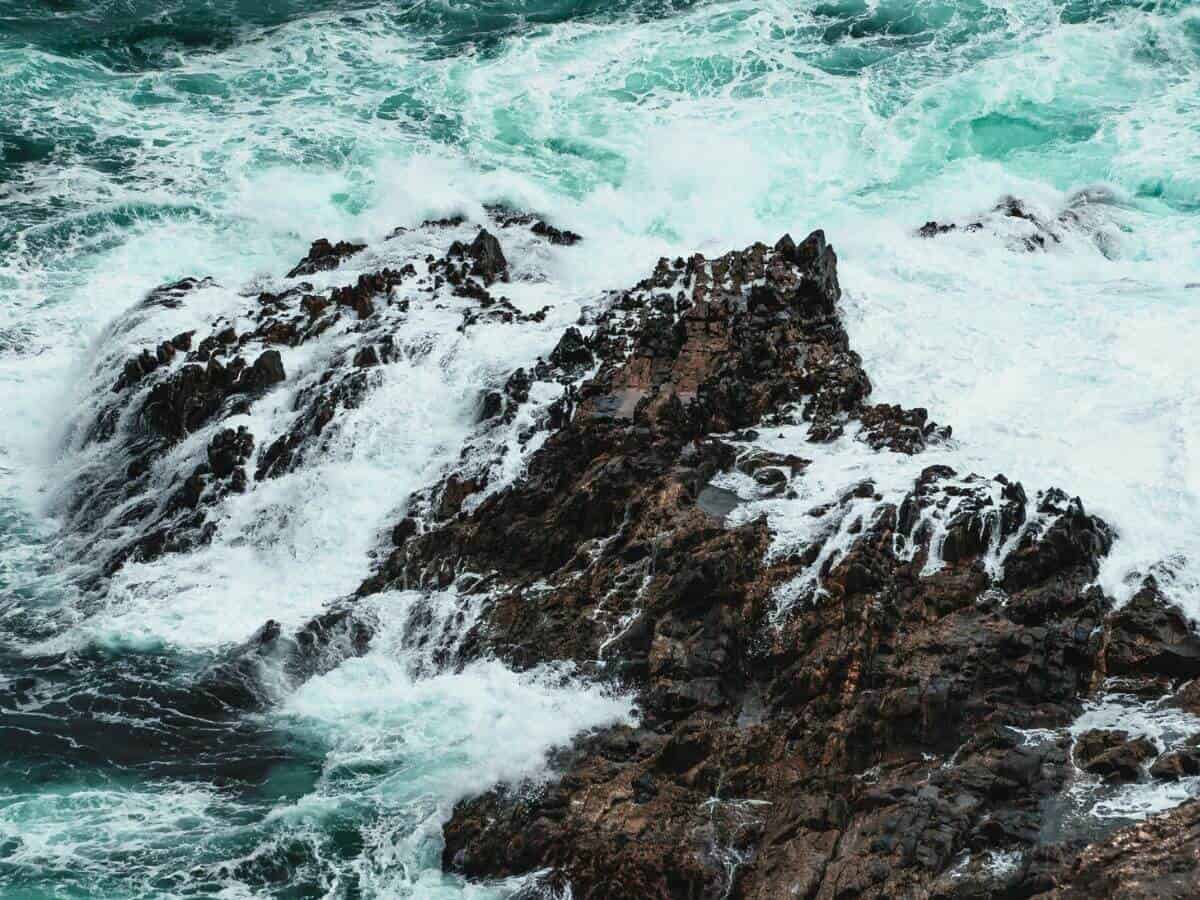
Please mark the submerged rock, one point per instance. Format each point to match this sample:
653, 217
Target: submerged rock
1023, 228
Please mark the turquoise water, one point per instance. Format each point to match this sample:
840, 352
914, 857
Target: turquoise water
141, 142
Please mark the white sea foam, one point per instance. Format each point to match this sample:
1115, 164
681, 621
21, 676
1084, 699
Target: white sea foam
1056, 368
1166, 727
409, 747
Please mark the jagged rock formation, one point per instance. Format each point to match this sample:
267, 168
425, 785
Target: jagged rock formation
877, 710
1158, 859
151, 492
872, 743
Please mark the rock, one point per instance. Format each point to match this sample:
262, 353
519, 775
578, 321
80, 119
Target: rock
486, 255
1014, 221
933, 229
1158, 859
366, 357
235, 682
229, 449
136, 368
858, 735
183, 402
491, 405
1148, 636
266, 371
1093, 743
454, 492
508, 218
1187, 697
323, 256
404, 530
359, 296
571, 354
1175, 765
193, 381
171, 296
1071, 538
554, 235
1112, 754
869, 711
900, 430
316, 407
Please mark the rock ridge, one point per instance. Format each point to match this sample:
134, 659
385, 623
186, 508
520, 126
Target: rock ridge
868, 688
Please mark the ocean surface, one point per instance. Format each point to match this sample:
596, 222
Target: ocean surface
142, 141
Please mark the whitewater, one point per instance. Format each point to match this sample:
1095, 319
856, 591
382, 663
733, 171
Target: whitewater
143, 142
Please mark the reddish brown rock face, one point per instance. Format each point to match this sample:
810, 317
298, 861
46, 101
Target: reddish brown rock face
895, 730
868, 743
1158, 859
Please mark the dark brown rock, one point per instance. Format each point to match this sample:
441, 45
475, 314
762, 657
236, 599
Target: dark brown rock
1175, 765
1149, 636
486, 255
1158, 859
850, 717
854, 747
323, 255
186, 400
1112, 754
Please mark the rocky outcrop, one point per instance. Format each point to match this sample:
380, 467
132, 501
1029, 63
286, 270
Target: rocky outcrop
1148, 637
873, 741
323, 256
878, 708
154, 487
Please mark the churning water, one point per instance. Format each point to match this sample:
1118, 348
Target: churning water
142, 141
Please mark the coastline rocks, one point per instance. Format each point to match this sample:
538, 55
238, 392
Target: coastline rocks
880, 709
151, 486
858, 744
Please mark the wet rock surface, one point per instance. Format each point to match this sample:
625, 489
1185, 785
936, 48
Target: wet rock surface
169, 458
871, 743
1113, 754
323, 256
899, 728
1158, 858
1148, 637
